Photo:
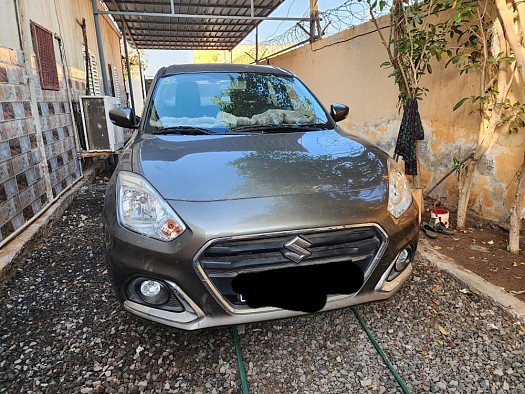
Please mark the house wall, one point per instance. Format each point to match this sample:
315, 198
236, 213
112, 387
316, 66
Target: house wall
344, 68
38, 149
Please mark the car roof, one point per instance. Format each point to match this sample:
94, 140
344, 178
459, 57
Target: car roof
221, 67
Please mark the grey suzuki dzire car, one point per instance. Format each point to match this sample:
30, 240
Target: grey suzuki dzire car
239, 199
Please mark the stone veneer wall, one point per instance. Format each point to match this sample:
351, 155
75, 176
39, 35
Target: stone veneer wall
57, 128
23, 191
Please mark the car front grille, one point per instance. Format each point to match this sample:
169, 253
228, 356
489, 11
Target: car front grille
224, 259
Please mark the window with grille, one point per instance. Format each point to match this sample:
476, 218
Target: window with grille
94, 82
92, 73
45, 57
117, 83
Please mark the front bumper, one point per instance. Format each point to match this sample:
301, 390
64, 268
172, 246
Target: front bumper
176, 263
200, 320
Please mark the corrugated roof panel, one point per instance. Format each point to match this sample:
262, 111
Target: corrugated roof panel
166, 32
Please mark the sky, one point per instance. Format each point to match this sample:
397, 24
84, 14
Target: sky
267, 29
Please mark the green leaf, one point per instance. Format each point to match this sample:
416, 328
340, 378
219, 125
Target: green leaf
459, 103
507, 59
429, 68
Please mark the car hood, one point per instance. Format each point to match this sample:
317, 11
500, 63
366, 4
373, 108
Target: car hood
226, 167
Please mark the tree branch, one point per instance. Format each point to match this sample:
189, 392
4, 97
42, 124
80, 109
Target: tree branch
505, 17
393, 60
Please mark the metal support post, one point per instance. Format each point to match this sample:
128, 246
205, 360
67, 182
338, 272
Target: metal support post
100, 48
256, 44
142, 82
130, 82
315, 24
252, 14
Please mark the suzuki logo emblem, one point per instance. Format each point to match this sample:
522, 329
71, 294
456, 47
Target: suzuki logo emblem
296, 249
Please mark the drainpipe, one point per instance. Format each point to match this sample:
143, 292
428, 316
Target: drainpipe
65, 70
87, 60
19, 29
101, 49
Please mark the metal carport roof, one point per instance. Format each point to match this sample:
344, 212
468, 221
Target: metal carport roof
189, 24
183, 24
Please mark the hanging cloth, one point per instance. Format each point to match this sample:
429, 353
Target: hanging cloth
410, 131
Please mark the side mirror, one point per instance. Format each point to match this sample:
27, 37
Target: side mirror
339, 112
123, 117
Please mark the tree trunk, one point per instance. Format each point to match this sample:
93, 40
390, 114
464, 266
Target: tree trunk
515, 213
465, 180
486, 138
487, 135
513, 21
520, 7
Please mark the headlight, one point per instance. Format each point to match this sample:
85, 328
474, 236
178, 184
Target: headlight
141, 209
399, 195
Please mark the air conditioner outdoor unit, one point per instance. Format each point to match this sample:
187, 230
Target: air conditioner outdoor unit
100, 134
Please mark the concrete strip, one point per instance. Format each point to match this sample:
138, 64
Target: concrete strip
13, 252
474, 282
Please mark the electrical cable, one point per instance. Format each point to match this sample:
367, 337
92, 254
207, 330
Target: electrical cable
389, 365
240, 363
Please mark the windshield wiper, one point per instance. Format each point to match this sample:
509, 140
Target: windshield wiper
185, 130
275, 128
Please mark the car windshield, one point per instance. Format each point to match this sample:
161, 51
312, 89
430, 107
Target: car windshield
233, 102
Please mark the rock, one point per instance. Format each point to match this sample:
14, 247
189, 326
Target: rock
366, 382
442, 385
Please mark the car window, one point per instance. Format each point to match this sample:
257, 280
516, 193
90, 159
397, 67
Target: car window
225, 101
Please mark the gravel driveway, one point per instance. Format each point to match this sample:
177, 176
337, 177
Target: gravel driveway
62, 331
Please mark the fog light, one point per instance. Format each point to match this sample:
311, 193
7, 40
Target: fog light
150, 288
401, 263
153, 292
402, 260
